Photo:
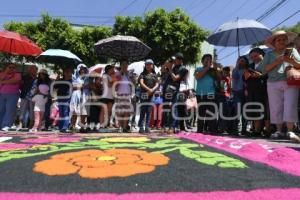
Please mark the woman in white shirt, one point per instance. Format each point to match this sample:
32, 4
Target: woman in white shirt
40, 100
107, 99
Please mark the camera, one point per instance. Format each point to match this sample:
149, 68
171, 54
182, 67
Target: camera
288, 52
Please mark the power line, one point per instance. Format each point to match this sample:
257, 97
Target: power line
258, 6
236, 10
278, 8
122, 10
292, 15
219, 51
204, 9
191, 4
147, 6
126, 7
195, 6
224, 8
230, 54
270, 10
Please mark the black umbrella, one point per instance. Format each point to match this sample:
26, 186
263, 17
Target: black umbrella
122, 47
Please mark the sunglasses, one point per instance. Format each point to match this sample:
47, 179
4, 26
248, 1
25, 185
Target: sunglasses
280, 39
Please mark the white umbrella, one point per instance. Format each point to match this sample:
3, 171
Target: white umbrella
138, 67
59, 56
98, 68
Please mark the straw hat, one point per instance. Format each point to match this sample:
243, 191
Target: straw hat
270, 40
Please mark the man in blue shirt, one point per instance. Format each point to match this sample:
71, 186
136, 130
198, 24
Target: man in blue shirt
239, 93
205, 93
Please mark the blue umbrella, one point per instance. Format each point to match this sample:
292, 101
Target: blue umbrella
238, 33
59, 56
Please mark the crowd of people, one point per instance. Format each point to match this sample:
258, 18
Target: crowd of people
251, 99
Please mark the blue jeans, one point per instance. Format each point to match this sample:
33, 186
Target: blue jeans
48, 112
145, 113
8, 106
223, 124
167, 119
239, 101
64, 115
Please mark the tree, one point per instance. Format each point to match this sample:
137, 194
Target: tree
56, 33
88, 37
295, 28
166, 33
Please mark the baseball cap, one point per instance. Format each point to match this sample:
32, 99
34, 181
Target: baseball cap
149, 61
179, 56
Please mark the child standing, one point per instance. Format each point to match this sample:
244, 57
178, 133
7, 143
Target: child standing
39, 100
156, 115
149, 84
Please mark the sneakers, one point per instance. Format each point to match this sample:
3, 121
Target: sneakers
33, 130
147, 130
293, 136
141, 130
83, 130
126, 130
19, 127
277, 135
5, 129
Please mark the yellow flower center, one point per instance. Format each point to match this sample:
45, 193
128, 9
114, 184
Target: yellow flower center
126, 139
106, 158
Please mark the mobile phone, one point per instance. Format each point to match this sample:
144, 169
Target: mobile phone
288, 52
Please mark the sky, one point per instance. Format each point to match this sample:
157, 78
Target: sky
209, 14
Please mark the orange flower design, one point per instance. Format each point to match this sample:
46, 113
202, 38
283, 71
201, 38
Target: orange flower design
95, 164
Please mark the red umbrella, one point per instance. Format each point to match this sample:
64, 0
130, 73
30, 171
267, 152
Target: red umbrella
16, 44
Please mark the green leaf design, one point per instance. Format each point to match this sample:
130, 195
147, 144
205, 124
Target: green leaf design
211, 158
161, 145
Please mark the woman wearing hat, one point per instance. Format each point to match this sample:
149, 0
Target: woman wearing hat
283, 99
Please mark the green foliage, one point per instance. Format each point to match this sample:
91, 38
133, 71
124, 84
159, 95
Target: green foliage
88, 37
295, 28
166, 33
164, 146
56, 33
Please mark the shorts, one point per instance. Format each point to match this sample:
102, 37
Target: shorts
107, 101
